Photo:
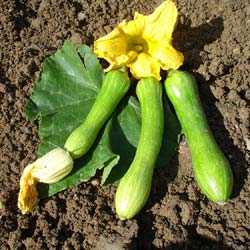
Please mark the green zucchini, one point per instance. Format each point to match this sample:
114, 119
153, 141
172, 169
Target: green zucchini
134, 188
115, 85
211, 168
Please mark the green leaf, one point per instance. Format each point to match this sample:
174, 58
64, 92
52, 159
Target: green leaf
64, 94
124, 137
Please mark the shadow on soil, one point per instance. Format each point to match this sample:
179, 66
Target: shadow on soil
23, 13
194, 242
216, 122
191, 40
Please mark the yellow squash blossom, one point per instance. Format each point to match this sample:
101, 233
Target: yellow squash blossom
143, 44
50, 168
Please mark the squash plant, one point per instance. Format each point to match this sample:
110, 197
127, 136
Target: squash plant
62, 99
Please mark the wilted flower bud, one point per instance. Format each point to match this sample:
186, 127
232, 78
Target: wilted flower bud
50, 168
53, 166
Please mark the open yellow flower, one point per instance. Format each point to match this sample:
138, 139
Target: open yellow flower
50, 168
143, 44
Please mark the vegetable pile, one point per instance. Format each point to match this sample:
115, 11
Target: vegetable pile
93, 119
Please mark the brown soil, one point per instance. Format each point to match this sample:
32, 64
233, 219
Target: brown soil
214, 36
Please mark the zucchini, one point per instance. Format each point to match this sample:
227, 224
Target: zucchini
134, 188
115, 85
211, 168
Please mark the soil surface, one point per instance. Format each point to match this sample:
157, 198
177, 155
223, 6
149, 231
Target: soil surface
215, 39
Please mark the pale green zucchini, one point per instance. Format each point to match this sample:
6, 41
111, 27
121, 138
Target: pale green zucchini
134, 187
211, 168
115, 85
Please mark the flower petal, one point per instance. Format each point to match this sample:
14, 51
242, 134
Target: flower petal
112, 45
145, 66
161, 23
28, 196
133, 28
119, 47
122, 60
169, 57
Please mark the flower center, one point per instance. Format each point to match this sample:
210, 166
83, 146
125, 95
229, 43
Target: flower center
138, 48
138, 44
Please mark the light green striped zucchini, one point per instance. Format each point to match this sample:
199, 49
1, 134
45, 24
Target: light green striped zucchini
135, 186
211, 168
115, 85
